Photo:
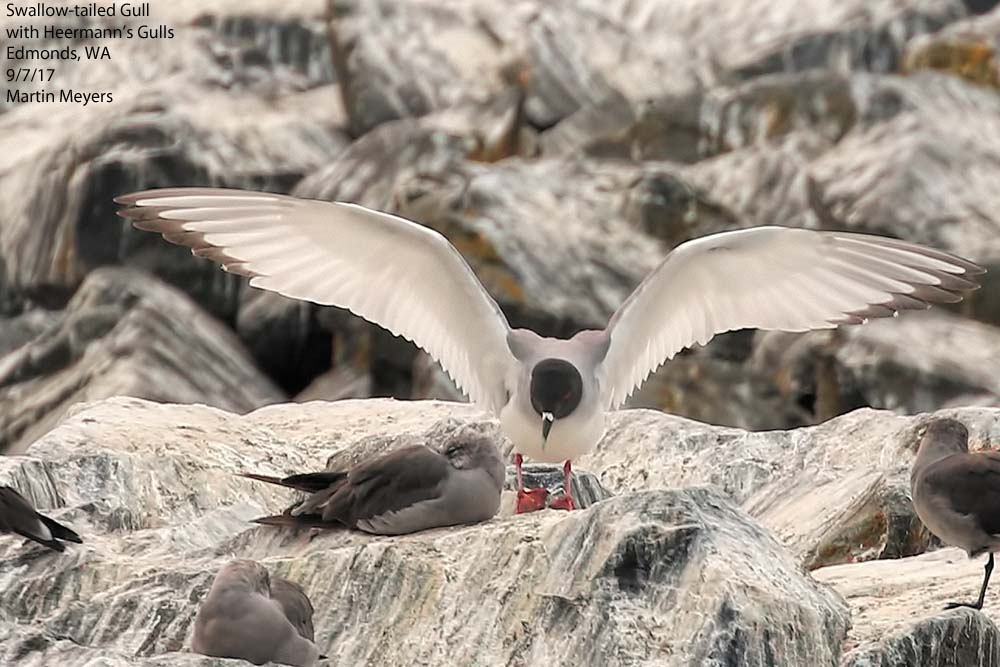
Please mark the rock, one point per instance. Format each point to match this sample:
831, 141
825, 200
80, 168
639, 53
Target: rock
917, 363
759, 184
430, 381
665, 204
20, 329
58, 229
285, 337
161, 510
599, 128
587, 489
869, 37
400, 60
965, 48
941, 194
718, 391
833, 493
898, 611
240, 97
265, 49
770, 107
337, 384
959, 638
123, 333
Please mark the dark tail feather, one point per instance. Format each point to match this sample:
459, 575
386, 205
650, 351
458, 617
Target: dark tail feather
289, 521
59, 531
309, 482
55, 545
263, 478
315, 481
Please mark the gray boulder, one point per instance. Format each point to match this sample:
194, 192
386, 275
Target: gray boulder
917, 363
122, 333
648, 577
897, 607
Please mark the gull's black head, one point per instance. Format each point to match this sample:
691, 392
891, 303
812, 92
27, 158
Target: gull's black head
556, 390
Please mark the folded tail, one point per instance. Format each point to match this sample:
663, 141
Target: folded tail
309, 482
57, 531
290, 521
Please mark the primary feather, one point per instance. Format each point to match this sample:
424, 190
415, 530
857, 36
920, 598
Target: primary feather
400, 275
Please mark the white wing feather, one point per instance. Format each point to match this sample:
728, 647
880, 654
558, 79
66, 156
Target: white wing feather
400, 275
769, 278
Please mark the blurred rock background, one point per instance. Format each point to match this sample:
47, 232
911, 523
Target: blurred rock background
564, 146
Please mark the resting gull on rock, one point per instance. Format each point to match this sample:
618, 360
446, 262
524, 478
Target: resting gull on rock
250, 615
406, 490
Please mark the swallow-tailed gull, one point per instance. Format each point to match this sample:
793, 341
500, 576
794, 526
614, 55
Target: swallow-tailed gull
550, 395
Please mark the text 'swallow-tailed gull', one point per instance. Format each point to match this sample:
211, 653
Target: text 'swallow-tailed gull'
550, 394
956, 493
406, 490
18, 516
246, 615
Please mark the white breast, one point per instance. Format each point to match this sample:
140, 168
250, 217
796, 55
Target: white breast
569, 438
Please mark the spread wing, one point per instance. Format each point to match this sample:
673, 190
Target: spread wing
390, 271
770, 278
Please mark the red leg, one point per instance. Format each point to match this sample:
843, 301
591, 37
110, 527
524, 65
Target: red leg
565, 501
528, 500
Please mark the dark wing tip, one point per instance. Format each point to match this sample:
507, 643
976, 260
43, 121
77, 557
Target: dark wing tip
53, 544
59, 531
270, 479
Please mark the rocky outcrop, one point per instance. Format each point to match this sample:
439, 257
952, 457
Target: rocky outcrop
660, 569
898, 612
653, 576
563, 146
834, 493
122, 333
917, 363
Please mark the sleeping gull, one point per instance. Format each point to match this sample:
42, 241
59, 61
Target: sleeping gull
406, 490
550, 395
244, 616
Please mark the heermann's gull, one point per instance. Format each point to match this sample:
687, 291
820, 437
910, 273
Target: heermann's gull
409, 489
550, 394
18, 516
241, 617
956, 493
295, 604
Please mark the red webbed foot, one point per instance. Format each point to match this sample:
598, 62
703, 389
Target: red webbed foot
531, 500
563, 503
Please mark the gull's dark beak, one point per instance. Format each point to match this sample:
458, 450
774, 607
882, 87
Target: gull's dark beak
547, 419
